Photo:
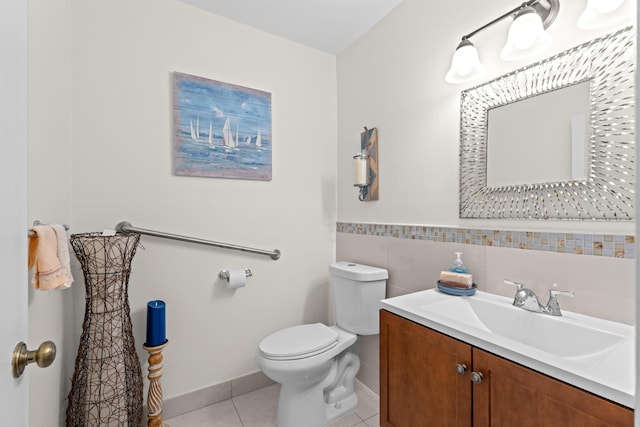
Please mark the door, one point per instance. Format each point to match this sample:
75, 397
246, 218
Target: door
13, 206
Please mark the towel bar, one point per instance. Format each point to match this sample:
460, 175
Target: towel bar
126, 227
36, 222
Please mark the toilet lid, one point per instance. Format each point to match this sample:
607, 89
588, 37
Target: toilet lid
297, 341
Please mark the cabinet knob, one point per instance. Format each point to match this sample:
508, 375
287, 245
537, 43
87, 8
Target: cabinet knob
461, 368
476, 377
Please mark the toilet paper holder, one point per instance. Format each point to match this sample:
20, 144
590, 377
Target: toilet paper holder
224, 274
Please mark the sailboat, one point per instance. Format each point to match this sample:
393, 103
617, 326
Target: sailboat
210, 133
193, 132
258, 139
227, 135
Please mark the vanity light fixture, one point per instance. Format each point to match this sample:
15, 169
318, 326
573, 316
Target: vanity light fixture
601, 13
527, 36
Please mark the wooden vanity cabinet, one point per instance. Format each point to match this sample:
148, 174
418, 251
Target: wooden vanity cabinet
423, 383
415, 390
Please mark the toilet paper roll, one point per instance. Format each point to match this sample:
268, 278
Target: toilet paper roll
237, 279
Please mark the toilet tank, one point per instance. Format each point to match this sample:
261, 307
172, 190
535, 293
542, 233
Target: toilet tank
357, 290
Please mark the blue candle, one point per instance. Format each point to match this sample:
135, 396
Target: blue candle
156, 323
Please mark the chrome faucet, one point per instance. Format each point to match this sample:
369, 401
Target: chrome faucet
527, 299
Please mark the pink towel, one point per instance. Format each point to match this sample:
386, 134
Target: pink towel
49, 257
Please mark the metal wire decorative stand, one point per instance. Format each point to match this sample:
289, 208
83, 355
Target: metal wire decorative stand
106, 388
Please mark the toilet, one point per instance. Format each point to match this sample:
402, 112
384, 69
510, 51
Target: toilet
316, 364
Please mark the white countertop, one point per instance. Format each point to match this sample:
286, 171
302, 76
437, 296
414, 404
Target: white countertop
609, 374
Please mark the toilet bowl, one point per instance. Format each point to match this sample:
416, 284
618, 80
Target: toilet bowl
316, 364
305, 374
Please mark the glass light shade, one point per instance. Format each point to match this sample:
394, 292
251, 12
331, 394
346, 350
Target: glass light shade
601, 13
526, 37
465, 64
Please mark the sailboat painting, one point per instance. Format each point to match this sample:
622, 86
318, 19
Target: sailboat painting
221, 130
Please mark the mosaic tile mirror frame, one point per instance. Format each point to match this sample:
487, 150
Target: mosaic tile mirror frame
607, 191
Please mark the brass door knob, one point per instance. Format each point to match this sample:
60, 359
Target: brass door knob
43, 356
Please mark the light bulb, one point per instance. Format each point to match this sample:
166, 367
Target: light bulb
525, 30
465, 58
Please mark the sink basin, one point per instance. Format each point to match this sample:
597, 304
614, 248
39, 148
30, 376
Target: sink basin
562, 336
594, 354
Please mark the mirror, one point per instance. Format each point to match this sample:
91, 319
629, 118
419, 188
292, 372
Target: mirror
553, 139
600, 185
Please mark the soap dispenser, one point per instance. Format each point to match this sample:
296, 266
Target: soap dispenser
458, 265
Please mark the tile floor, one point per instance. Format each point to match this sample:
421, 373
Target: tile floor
258, 409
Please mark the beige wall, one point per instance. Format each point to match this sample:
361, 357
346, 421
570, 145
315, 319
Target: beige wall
101, 152
393, 79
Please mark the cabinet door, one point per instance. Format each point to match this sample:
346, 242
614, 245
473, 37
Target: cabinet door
512, 395
419, 385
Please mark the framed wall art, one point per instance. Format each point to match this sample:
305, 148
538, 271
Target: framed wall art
221, 130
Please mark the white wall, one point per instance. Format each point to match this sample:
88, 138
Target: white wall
123, 55
393, 78
103, 87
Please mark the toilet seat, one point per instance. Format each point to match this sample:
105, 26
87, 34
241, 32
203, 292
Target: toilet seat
298, 342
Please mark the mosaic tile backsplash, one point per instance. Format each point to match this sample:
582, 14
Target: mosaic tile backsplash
607, 245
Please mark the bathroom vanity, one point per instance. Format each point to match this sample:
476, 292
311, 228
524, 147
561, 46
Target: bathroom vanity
443, 363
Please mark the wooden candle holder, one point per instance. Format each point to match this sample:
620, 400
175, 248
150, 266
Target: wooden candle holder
154, 397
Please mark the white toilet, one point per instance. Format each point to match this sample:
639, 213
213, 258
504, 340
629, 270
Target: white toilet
316, 364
